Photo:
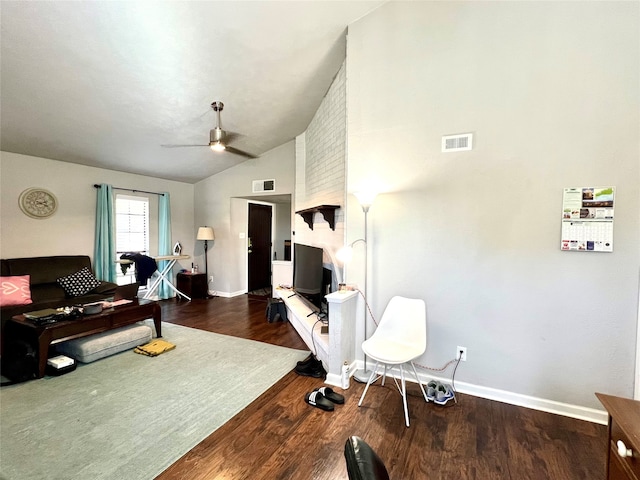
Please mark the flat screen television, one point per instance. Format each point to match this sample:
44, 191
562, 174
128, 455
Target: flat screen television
308, 272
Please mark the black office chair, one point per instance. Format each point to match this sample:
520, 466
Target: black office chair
362, 462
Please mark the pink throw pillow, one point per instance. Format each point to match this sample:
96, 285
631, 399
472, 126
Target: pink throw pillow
15, 291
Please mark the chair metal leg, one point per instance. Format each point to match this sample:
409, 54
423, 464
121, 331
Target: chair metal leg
404, 396
373, 374
424, 394
402, 388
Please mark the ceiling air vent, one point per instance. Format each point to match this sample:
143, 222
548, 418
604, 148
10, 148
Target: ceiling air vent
264, 186
457, 143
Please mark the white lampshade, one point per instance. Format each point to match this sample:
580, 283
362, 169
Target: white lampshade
366, 199
205, 233
345, 254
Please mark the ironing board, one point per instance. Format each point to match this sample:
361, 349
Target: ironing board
164, 275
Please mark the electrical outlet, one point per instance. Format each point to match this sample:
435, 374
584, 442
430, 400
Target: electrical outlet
211, 278
461, 353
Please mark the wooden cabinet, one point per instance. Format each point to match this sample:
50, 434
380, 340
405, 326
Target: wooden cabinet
193, 285
623, 457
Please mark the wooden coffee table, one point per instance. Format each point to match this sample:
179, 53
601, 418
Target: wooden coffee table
108, 319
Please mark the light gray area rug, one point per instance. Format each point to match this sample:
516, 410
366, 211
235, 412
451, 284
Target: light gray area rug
129, 416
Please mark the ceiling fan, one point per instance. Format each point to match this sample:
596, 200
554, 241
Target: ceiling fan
218, 139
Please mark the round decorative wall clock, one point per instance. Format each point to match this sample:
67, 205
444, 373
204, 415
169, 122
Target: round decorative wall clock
38, 203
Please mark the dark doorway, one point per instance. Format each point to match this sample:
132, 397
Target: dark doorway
259, 253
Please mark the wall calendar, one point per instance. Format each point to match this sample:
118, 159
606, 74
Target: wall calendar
587, 219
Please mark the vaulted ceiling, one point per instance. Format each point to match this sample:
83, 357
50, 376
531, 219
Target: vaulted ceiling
105, 84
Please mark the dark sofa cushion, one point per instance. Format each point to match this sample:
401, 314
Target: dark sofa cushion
105, 288
79, 283
46, 292
47, 269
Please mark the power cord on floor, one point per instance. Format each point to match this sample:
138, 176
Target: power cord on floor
453, 381
453, 375
313, 340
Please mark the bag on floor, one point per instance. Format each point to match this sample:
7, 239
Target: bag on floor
276, 310
19, 362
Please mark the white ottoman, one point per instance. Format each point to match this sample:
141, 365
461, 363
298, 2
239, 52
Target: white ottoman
94, 347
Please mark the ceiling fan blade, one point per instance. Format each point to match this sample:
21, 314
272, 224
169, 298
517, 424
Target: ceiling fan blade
230, 136
239, 152
180, 146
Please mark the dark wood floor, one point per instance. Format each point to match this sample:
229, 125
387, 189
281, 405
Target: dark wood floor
279, 436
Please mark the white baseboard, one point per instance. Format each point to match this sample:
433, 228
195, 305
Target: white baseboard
230, 294
336, 380
535, 403
333, 379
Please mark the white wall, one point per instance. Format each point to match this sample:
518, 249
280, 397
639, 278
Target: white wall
220, 202
70, 231
551, 92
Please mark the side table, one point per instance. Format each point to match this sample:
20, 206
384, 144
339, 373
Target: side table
193, 285
623, 461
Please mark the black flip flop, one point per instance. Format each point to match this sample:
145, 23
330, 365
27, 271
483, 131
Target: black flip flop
329, 394
316, 399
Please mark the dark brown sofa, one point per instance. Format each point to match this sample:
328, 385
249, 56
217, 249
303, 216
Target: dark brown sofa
45, 291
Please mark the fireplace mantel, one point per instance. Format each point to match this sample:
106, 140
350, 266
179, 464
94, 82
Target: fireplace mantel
327, 211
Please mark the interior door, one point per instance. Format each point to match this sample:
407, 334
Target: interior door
259, 246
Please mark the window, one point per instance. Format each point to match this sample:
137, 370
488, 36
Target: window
132, 231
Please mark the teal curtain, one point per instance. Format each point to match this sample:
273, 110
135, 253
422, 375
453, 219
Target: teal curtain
104, 254
164, 240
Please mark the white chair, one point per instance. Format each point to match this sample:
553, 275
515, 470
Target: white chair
400, 338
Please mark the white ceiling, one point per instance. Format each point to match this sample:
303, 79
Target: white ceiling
105, 83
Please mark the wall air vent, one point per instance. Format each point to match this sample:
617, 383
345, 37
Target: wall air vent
457, 143
260, 186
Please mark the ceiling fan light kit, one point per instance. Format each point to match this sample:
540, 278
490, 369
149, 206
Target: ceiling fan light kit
217, 146
218, 137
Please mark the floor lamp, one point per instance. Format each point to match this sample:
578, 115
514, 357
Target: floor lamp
206, 234
366, 200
